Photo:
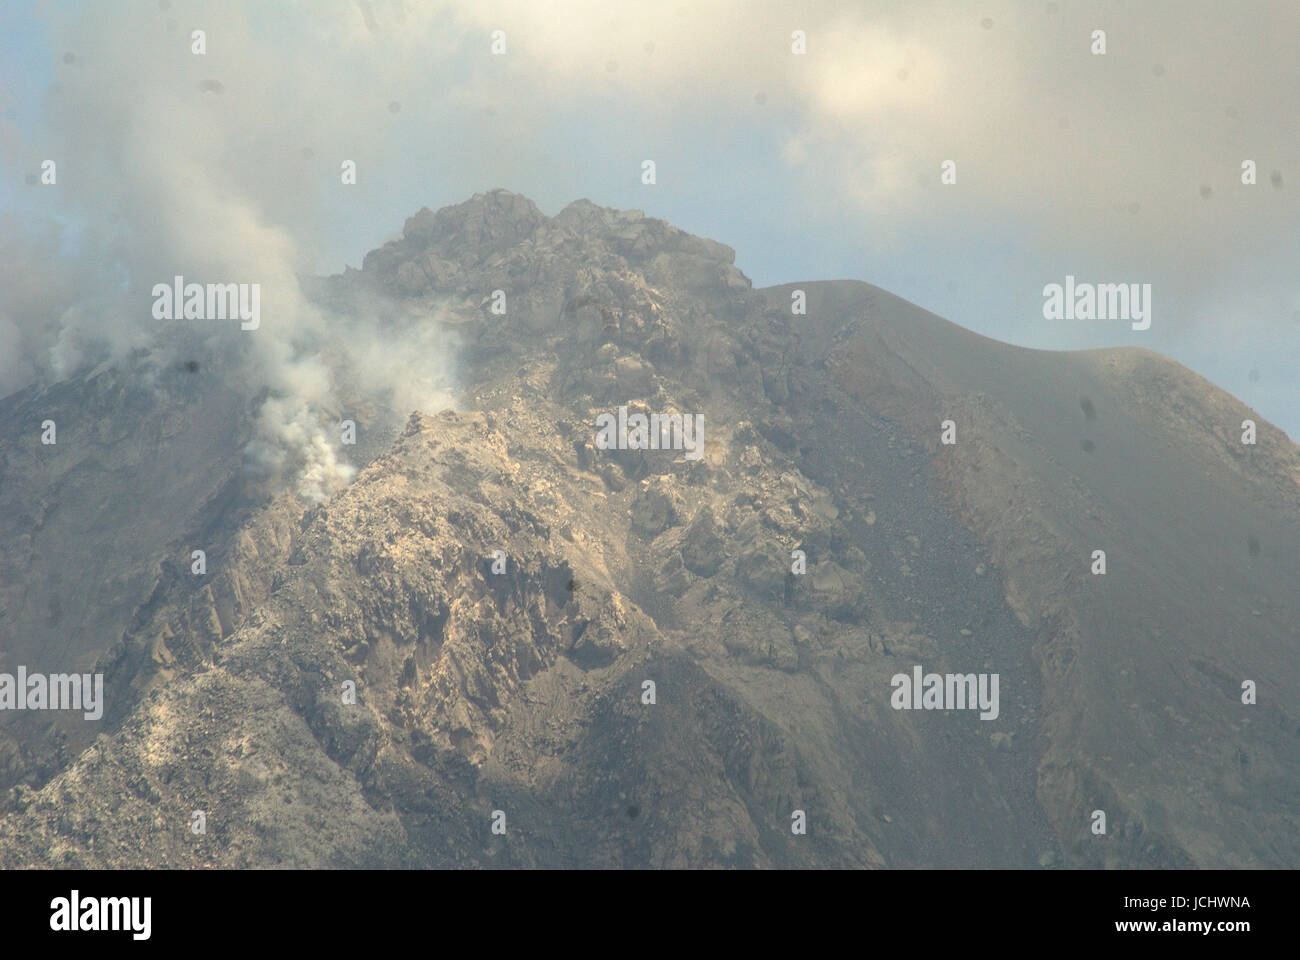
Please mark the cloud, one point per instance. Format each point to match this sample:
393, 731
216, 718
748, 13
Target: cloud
166, 170
225, 166
1116, 150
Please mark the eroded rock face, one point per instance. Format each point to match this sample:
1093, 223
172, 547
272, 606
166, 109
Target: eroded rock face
146, 457
646, 659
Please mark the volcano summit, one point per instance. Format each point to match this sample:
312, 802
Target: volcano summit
349, 683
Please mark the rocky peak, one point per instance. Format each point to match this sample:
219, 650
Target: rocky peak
469, 233
487, 222
499, 586
634, 235
438, 251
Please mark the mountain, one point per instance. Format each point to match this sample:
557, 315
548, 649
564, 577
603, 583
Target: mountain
658, 657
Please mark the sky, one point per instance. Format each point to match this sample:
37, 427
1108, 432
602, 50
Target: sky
1115, 167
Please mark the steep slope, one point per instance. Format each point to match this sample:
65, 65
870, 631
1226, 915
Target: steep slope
524, 692
141, 457
1125, 451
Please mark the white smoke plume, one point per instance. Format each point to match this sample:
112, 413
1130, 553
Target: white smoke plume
1126, 166
165, 170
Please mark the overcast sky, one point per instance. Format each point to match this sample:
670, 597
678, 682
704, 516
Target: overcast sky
1117, 168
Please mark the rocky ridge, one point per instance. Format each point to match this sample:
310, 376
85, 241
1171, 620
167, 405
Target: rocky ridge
523, 691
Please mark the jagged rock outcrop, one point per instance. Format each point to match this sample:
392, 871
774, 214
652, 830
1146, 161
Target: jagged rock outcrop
498, 588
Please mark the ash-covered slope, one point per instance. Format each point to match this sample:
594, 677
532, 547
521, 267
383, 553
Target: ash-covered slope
143, 462
524, 692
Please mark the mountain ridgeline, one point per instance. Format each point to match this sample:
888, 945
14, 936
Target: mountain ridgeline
521, 637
